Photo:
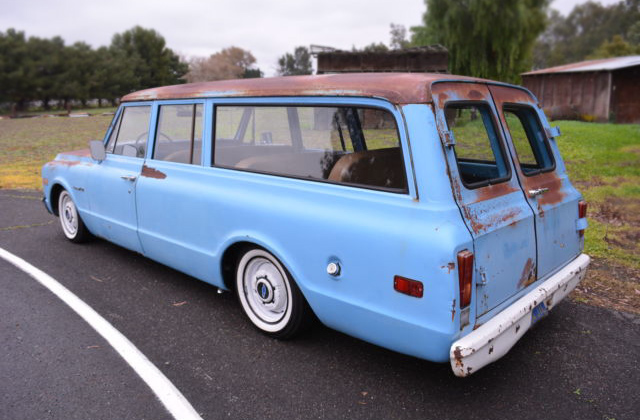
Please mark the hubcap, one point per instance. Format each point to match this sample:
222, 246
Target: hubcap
68, 215
265, 290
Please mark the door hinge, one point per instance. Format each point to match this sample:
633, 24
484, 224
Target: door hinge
553, 132
449, 139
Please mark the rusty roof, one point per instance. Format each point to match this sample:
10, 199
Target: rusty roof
605, 64
401, 88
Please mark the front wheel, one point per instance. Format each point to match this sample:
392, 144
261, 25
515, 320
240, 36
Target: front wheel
269, 296
72, 225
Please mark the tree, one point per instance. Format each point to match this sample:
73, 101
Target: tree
16, 68
295, 64
154, 64
398, 35
485, 38
585, 29
230, 63
617, 47
374, 48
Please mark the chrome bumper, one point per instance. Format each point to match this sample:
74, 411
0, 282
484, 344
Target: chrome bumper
495, 338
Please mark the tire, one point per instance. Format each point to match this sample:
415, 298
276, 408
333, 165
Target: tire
72, 225
269, 296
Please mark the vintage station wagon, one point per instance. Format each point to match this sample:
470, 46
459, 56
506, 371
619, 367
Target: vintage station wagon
428, 214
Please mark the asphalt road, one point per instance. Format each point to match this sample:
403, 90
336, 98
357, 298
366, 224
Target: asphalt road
581, 362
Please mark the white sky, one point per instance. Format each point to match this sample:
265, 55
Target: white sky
198, 27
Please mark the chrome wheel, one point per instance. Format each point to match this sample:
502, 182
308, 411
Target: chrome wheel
68, 215
264, 290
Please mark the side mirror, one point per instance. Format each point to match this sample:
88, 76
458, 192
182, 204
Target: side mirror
97, 149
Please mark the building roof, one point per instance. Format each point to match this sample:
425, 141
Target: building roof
605, 64
401, 88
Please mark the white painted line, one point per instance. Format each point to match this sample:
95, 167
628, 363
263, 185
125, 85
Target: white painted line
166, 392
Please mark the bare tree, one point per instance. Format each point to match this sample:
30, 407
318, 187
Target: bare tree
230, 63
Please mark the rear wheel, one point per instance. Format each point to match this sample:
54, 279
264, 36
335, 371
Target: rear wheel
269, 296
72, 225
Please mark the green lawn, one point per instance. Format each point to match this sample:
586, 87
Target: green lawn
603, 161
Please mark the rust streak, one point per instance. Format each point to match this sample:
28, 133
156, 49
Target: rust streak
81, 153
152, 173
528, 274
457, 354
453, 310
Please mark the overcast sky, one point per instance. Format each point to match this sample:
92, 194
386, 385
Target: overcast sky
199, 27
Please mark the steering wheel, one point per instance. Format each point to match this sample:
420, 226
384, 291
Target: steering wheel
146, 133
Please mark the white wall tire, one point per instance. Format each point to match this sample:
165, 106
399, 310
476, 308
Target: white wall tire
72, 225
269, 296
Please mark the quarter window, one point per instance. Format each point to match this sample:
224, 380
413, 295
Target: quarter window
129, 136
179, 133
479, 153
349, 145
528, 139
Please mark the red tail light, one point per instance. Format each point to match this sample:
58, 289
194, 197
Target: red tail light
407, 286
582, 213
465, 276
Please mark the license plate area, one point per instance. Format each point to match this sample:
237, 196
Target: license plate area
540, 311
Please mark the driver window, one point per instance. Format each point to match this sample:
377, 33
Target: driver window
179, 134
130, 138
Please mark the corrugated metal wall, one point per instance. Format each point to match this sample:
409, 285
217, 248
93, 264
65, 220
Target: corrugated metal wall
583, 96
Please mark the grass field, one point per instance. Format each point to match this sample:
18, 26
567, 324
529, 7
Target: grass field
603, 161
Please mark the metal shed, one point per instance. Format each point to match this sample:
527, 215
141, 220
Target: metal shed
594, 90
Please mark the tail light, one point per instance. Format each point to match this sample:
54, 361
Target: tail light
582, 213
465, 276
408, 287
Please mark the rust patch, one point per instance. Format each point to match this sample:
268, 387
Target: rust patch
152, 173
492, 191
453, 310
55, 163
548, 180
399, 88
457, 355
81, 152
45, 181
449, 267
474, 94
528, 274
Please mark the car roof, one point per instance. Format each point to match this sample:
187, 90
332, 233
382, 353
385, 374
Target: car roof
398, 88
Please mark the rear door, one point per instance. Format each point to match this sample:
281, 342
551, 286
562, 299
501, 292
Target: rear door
542, 175
487, 191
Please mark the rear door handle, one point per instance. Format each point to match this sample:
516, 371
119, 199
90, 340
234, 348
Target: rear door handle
539, 191
129, 177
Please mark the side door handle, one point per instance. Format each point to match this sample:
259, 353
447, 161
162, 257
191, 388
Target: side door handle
539, 191
129, 177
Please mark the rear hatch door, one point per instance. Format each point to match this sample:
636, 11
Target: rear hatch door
543, 177
487, 191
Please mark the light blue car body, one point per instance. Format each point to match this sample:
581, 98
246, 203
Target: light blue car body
188, 216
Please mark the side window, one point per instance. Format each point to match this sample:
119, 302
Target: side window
479, 152
350, 145
254, 125
129, 135
528, 139
179, 133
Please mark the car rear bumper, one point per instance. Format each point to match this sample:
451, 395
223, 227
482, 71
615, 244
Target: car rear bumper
495, 338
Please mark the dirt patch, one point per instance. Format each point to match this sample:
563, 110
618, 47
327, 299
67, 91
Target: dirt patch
610, 286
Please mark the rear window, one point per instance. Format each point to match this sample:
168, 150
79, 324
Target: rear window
348, 145
478, 149
528, 139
